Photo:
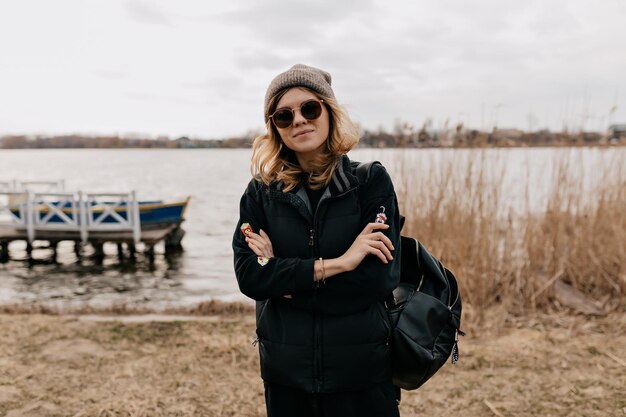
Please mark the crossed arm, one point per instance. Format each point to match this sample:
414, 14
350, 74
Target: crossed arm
369, 242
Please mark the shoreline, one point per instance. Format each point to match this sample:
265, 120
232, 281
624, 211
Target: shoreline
209, 307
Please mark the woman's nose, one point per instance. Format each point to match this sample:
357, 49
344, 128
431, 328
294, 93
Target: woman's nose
298, 119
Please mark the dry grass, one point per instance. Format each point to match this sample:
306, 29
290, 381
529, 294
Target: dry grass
80, 368
511, 256
205, 308
547, 365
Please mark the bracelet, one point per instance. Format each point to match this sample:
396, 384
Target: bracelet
323, 272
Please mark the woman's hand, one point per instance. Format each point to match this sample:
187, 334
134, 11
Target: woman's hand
260, 244
369, 242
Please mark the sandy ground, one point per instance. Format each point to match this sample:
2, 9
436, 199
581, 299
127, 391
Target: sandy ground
544, 365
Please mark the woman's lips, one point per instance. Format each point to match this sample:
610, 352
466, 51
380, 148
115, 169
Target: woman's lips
302, 133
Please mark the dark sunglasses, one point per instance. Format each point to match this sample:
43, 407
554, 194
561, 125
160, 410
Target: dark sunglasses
310, 110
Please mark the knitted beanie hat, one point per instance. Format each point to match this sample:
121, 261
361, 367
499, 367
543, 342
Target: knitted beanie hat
299, 76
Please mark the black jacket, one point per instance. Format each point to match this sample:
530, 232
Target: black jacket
333, 336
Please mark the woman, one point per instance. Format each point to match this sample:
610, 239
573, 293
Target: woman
319, 253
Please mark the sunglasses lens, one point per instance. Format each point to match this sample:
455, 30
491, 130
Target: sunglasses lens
311, 110
283, 118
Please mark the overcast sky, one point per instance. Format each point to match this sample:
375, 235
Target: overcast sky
200, 68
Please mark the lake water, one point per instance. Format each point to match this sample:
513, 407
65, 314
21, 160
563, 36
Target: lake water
215, 179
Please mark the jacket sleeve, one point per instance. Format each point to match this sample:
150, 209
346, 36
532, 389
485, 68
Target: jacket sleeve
279, 276
372, 281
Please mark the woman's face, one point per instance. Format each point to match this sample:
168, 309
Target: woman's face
304, 137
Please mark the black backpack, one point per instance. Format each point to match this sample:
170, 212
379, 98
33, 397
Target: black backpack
424, 311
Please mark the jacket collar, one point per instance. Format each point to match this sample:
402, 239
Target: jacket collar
343, 178
342, 181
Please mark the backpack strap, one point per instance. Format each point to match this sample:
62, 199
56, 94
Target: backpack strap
363, 171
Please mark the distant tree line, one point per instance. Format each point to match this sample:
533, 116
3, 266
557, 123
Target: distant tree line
402, 136
101, 142
407, 137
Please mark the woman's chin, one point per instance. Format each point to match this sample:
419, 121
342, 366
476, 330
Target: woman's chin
307, 149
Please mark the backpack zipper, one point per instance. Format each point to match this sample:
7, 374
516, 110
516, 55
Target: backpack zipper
455, 347
458, 293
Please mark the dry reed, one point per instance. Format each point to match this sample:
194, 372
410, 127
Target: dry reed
511, 255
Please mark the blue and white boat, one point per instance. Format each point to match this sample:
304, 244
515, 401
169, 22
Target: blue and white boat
56, 214
152, 213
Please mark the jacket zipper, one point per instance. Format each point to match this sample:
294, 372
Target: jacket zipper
317, 369
317, 348
317, 333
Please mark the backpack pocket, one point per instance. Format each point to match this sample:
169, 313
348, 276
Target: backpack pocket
423, 325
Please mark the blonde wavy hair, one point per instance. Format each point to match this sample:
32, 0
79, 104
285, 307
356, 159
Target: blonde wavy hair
272, 160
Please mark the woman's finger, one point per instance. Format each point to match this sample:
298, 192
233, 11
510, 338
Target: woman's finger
376, 252
255, 249
372, 227
266, 237
254, 236
381, 247
257, 239
381, 237
261, 239
265, 243
250, 239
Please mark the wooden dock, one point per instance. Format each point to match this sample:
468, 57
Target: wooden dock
83, 218
149, 237
170, 234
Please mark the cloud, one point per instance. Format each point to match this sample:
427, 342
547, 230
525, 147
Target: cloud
262, 58
110, 75
151, 98
294, 24
227, 88
400, 59
148, 13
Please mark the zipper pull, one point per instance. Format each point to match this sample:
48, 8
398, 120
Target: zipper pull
311, 236
455, 348
255, 341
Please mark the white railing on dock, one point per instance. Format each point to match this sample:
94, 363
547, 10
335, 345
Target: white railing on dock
10, 200
16, 186
79, 212
99, 206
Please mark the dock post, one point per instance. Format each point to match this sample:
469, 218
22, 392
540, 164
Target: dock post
98, 251
133, 205
84, 217
4, 251
149, 251
29, 249
54, 245
30, 219
132, 251
77, 249
173, 239
120, 251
